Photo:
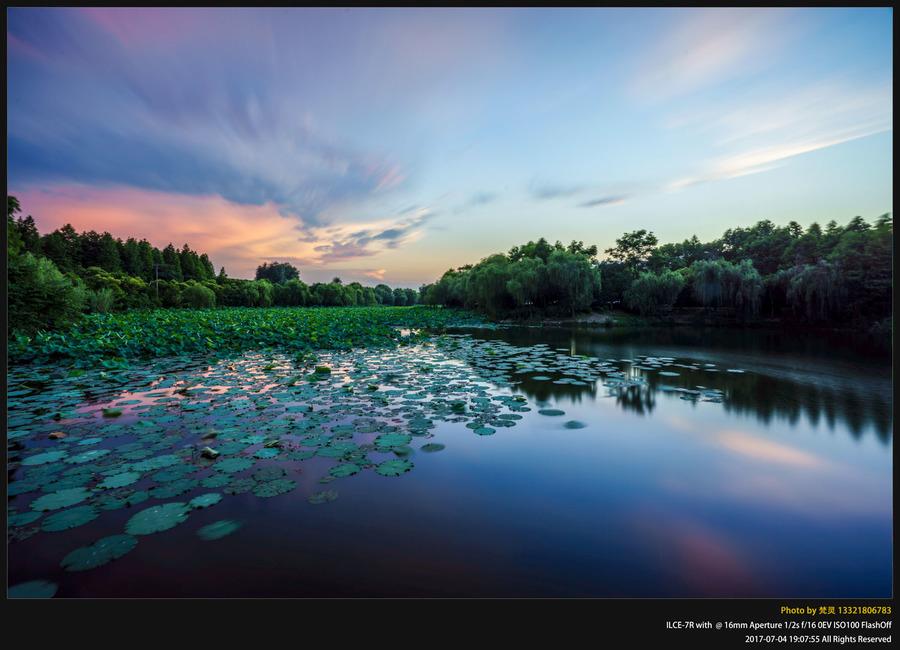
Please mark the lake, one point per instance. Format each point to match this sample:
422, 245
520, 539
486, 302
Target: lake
487, 462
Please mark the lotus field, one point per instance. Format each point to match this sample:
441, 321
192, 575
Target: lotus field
168, 332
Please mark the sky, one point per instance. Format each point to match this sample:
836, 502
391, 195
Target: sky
393, 144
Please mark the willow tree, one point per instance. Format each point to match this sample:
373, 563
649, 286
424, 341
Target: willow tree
719, 283
816, 291
574, 278
653, 294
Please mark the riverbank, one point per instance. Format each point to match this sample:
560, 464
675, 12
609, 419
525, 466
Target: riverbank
697, 318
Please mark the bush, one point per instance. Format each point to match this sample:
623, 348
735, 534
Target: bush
292, 293
169, 293
124, 291
40, 296
198, 296
102, 301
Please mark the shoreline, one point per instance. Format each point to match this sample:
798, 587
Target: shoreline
622, 320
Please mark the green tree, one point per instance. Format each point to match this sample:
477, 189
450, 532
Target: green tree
384, 294
399, 297
633, 250
652, 294
198, 296
172, 261
277, 272
40, 297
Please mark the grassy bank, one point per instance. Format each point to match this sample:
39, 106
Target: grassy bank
164, 332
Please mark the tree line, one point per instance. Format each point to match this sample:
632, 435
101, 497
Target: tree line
54, 278
831, 274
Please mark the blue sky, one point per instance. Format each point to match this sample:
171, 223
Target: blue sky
395, 143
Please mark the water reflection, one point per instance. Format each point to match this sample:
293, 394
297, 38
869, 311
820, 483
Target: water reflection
839, 380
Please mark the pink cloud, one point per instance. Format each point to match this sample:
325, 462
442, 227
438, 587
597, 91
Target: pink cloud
142, 26
238, 237
706, 560
235, 236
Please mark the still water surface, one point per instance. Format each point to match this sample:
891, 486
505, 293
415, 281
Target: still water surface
775, 481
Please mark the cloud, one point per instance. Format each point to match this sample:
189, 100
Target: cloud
375, 274
235, 236
603, 200
767, 451
707, 46
762, 133
181, 102
543, 192
355, 240
476, 199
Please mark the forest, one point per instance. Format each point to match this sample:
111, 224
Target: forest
835, 275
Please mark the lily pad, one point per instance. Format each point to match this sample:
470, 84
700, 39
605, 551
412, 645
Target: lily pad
71, 518
551, 412
60, 499
240, 486
231, 465
86, 456
99, 553
345, 469
33, 589
274, 488
46, 457
205, 500
394, 467
574, 424
388, 440
218, 529
22, 518
432, 447
157, 518
215, 481
322, 497
120, 480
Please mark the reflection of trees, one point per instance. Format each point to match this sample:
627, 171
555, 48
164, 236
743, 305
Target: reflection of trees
772, 398
639, 399
545, 390
857, 402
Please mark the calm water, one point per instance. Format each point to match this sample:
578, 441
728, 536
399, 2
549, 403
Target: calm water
779, 485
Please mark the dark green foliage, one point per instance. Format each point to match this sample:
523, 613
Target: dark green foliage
101, 301
765, 244
277, 272
653, 294
40, 296
679, 256
815, 291
164, 332
292, 293
837, 273
633, 249
172, 261
198, 296
719, 283
534, 278
384, 294
767, 270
